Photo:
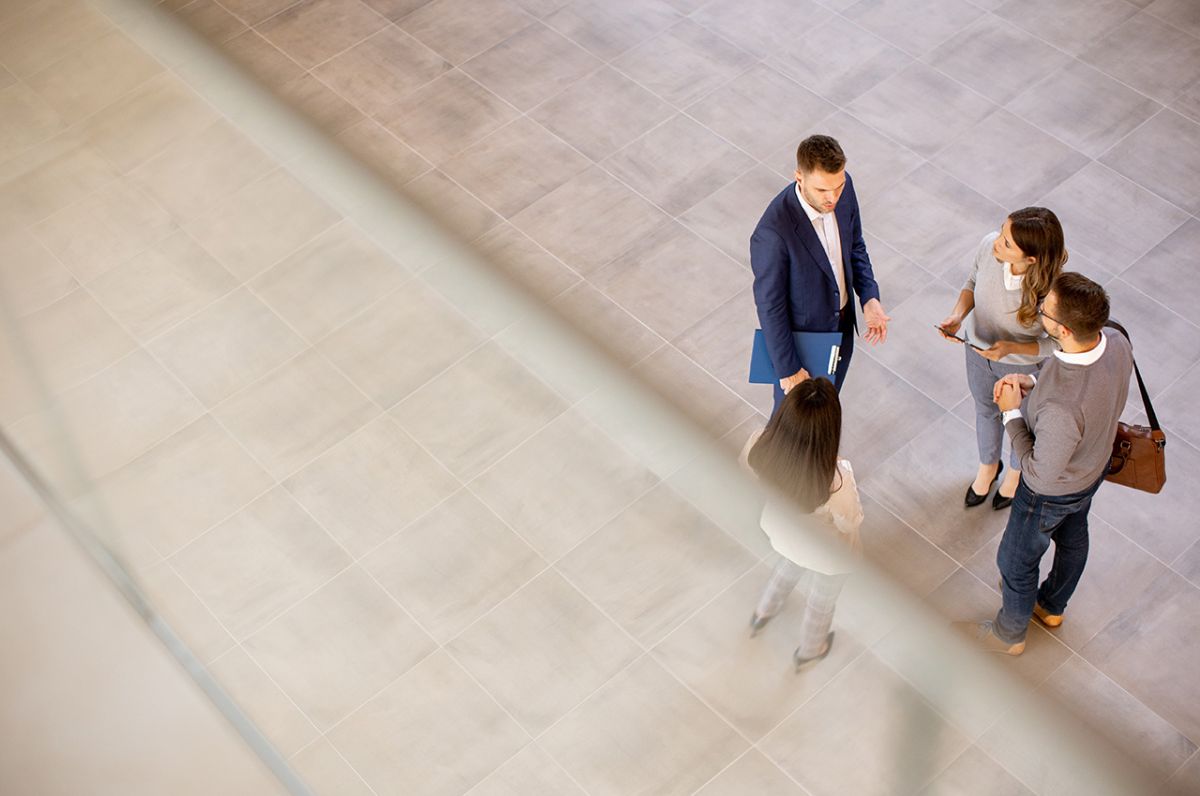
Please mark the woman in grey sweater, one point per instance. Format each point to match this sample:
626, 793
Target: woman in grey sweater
997, 311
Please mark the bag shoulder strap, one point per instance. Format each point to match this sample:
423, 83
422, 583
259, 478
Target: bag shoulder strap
1153, 418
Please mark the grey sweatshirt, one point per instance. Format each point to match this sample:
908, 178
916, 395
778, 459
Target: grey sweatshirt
1065, 438
995, 315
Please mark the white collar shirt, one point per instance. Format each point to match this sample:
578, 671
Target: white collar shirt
831, 241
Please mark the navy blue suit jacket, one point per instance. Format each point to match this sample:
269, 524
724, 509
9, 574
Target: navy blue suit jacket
794, 286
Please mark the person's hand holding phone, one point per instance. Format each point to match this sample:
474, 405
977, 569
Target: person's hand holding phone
950, 326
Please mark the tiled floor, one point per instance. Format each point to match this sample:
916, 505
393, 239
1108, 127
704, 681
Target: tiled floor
257, 401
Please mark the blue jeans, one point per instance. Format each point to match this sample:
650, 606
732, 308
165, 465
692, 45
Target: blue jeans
1036, 520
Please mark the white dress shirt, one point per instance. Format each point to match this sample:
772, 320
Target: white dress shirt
831, 241
1081, 358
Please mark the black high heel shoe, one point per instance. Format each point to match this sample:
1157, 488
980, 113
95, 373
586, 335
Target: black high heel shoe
972, 499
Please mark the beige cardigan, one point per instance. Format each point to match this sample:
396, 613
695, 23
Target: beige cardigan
793, 535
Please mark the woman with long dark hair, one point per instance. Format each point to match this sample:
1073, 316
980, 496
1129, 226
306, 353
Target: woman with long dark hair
797, 454
1012, 273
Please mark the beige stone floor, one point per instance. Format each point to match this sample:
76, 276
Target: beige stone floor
257, 402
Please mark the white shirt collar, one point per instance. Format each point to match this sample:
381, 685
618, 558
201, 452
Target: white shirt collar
813, 215
1011, 281
1086, 357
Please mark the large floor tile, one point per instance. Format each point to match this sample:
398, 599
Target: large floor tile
453, 565
1186, 780
271, 711
684, 63
893, 546
602, 113
339, 646
1160, 523
63, 343
195, 173
841, 74
1150, 55
970, 57
752, 773
1146, 319
447, 201
1179, 13
378, 71
609, 29
433, 731
760, 110
505, 67
727, 217
256, 11
414, 330
325, 771
262, 223
295, 413
105, 229
162, 286
918, 353
182, 610
678, 164
720, 343
380, 149
104, 422
519, 256
515, 166
502, 404
1116, 714
655, 563
698, 394
974, 772
562, 485
322, 105
1084, 108
51, 176
147, 120
530, 772
868, 706
459, 29
670, 279
328, 281
618, 742
259, 562
370, 485
543, 651
915, 27
30, 275
211, 20
589, 221
226, 346
27, 120
933, 219
48, 32
1117, 570
921, 108
752, 682
1086, 213
923, 484
1073, 25
898, 277
1162, 155
762, 26
1010, 161
181, 487
880, 413
1175, 405
314, 31
1165, 271
447, 115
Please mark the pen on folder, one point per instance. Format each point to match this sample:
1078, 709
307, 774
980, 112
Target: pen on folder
834, 356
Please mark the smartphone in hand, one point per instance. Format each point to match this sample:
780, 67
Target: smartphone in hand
962, 340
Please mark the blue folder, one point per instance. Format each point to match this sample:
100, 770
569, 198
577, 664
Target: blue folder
818, 352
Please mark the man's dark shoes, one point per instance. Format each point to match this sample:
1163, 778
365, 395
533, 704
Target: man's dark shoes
973, 499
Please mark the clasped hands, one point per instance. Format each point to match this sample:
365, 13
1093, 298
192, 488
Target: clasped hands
1011, 390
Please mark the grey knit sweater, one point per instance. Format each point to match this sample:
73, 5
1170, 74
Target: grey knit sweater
995, 315
1065, 439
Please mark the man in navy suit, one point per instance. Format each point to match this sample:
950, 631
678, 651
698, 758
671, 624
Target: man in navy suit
809, 226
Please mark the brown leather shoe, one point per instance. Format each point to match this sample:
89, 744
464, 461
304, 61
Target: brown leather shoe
1045, 617
981, 633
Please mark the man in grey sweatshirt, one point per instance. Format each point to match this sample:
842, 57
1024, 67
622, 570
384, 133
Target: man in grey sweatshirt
1064, 441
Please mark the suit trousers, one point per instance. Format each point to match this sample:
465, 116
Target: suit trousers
846, 327
821, 593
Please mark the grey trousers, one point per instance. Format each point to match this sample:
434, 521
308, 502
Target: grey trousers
821, 597
982, 375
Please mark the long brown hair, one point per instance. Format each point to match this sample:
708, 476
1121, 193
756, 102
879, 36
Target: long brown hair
798, 450
1036, 232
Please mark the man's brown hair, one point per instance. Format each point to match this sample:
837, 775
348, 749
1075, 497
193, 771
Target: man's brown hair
1082, 304
820, 152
